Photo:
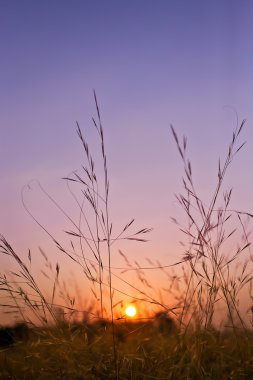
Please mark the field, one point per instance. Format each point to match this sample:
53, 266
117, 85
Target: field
142, 353
188, 340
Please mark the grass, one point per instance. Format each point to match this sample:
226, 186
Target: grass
141, 355
203, 334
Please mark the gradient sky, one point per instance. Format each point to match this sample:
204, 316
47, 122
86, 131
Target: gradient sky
151, 63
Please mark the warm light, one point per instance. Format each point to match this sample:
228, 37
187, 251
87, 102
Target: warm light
130, 311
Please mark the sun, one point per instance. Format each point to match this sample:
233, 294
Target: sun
131, 311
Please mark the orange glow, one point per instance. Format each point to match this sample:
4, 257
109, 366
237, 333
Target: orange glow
131, 311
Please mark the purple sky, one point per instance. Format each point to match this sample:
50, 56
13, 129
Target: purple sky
151, 63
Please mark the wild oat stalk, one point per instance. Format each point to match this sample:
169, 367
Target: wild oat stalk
90, 234
93, 230
17, 291
207, 236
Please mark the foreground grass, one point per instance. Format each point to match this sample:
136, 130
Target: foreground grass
142, 353
209, 275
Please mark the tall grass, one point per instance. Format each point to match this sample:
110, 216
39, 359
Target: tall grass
211, 278
205, 280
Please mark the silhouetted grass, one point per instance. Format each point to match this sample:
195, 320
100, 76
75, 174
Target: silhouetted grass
185, 339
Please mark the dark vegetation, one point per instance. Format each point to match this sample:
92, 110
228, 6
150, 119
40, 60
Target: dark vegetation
11, 335
143, 352
187, 339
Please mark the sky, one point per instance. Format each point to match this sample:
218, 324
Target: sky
152, 64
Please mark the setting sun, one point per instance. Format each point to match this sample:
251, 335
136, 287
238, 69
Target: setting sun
130, 311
